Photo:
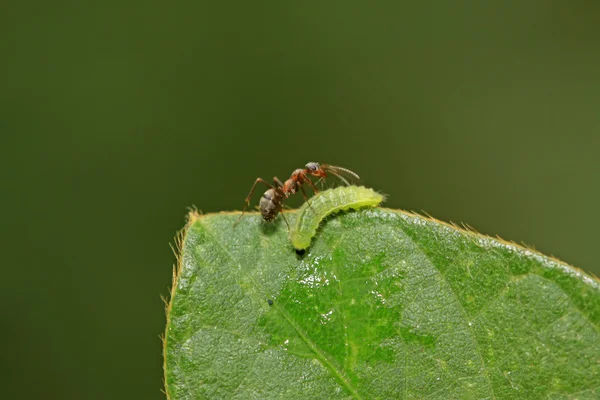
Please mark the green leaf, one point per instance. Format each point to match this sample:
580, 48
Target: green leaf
384, 304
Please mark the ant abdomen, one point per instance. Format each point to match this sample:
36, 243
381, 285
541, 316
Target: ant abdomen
271, 204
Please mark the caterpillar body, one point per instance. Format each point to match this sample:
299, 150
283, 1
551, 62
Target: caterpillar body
326, 203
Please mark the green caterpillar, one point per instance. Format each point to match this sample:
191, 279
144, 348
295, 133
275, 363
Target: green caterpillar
328, 202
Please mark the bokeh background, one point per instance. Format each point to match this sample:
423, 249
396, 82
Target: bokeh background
117, 115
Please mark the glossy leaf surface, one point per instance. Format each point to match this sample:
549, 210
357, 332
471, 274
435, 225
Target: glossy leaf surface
384, 304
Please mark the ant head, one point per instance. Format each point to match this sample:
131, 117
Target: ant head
315, 169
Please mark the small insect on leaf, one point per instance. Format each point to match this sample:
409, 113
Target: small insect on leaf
328, 202
271, 202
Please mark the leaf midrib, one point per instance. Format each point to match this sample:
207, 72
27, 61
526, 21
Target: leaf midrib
303, 335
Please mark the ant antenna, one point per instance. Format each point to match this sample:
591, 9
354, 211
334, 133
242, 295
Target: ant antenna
335, 171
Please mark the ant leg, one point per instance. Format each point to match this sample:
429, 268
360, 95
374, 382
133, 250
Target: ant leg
278, 183
285, 219
249, 197
312, 184
306, 197
258, 180
279, 188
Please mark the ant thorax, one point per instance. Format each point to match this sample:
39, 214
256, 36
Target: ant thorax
290, 186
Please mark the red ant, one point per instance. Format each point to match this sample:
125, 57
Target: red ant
271, 202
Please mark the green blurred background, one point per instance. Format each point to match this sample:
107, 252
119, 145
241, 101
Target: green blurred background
116, 116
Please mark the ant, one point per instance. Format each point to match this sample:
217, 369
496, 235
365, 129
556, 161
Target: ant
271, 202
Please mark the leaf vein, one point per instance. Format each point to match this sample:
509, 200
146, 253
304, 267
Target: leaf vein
320, 354
460, 307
